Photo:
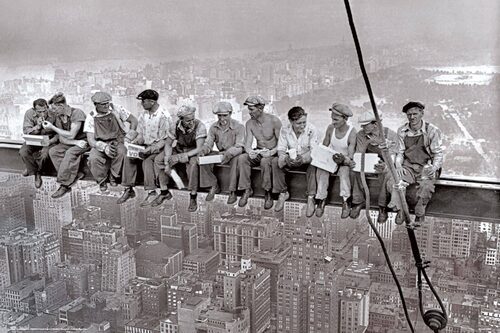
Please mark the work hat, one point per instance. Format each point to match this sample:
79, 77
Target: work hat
341, 109
367, 117
58, 98
101, 97
411, 105
254, 100
222, 108
148, 94
185, 110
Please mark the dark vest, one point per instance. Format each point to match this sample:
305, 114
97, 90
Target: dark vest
186, 141
106, 128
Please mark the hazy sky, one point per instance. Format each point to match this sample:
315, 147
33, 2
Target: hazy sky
35, 30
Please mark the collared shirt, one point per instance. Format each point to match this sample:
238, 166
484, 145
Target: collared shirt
432, 140
303, 144
201, 130
69, 115
225, 138
30, 123
153, 127
369, 144
119, 111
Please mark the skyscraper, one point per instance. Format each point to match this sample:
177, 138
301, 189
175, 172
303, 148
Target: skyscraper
255, 294
12, 209
51, 214
118, 267
353, 315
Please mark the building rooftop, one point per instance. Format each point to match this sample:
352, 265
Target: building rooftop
155, 251
201, 255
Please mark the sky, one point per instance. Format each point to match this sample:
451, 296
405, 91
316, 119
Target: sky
35, 31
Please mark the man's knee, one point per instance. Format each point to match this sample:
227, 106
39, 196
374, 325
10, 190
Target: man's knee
274, 163
266, 162
193, 160
159, 161
244, 159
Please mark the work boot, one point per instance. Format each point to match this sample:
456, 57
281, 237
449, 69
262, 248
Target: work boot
25, 173
311, 206
281, 201
38, 180
321, 207
113, 182
232, 198
268, 200
62, 190
128, 193
400, 217
80, 175
346, 209
213, 191
382, 215
356, 210
244, 198
419, 219
193, 205
164, 195
103, 186
149, 198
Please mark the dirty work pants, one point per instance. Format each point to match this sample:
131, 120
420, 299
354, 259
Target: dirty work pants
34, 157
129, 174
323, 181
245, 164
66, 160
100, 164
279, 175
208, 179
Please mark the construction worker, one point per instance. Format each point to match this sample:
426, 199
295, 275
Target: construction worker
369, 140
229, 136
341, 137
265, 128
419, 160
106, 134
190, 134
295, 143
35, 157
66, 155
152, 132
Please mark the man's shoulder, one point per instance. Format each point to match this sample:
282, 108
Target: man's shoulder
431, 127
236, 124
30, 112
274, 119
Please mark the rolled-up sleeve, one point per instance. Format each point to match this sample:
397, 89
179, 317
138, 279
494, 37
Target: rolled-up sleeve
436, 147
201, 131
29, 123
400, 146
282, 145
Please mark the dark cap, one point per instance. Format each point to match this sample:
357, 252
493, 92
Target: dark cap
411, 105
58, 98
148, 94
341, 109
254, 100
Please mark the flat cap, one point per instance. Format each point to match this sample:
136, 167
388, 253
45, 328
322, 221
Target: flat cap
254, 100
185, 110
341, 109
367, 117
148, 94
101, 97
411, 105
58, 98
222, 108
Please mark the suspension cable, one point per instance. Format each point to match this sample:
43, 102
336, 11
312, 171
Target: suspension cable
434, 319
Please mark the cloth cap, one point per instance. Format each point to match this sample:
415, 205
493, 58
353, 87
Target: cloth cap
148, 94
101, 97
367, 117
254, 100
341, 109
411, 105
58, 98
185, 110
222, 108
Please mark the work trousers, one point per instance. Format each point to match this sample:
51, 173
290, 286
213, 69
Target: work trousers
149, 169
208, 179
34, 157
358, 192
66, 160
410, 176
279, 175
323, 181
101, 164
245, 164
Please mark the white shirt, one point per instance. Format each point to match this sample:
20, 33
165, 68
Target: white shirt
303, 144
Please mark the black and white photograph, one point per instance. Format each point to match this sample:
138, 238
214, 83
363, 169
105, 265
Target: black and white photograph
230, 166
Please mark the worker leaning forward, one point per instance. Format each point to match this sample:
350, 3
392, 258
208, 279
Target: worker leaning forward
152, 132
190, 134
229, 137
341, 137
295, 143
36, 157
265, 128
106, 134
369, 140
419, 160
66, 155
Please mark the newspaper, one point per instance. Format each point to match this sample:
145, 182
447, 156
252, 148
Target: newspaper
134, 150
322, 158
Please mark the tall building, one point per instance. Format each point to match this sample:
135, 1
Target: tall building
51, 214
53, 294
354, 309
12, 208
75, 276
461, 234
239, 235
124, 214
219, 321
5, 279
118, 267
385, 229
155, 259
255, 294
189, 311
202, 261
179, 235
292, 306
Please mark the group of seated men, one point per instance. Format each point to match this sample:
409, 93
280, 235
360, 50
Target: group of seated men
176, 143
